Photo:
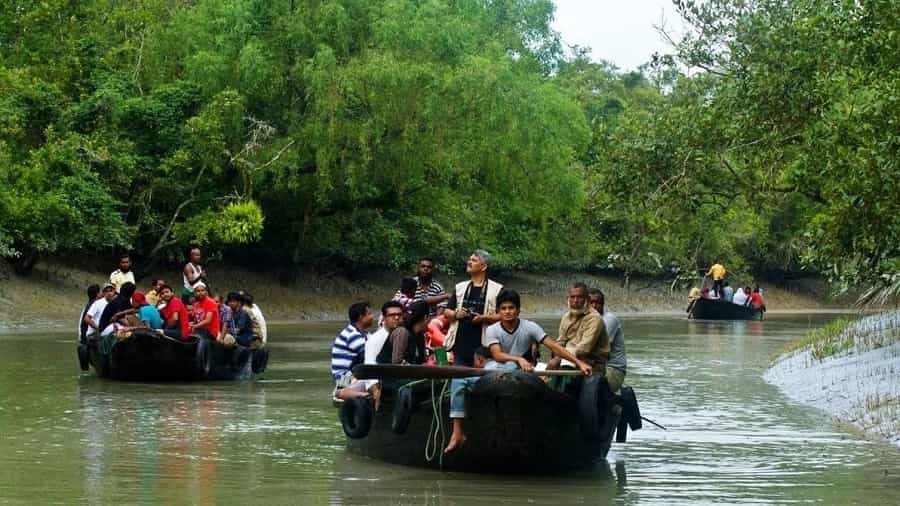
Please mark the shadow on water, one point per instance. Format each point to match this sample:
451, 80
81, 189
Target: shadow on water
732, 439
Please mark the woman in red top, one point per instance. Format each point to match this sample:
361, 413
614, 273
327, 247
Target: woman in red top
177, 323
756, 300
206, 314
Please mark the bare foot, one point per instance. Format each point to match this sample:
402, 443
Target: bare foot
455, 442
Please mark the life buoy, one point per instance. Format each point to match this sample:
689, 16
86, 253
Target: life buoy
631, 413
83, 357
402, 411
260, 360
592, 402
202, 359
356, 417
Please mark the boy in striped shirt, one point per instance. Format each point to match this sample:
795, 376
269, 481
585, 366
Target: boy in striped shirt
348, 350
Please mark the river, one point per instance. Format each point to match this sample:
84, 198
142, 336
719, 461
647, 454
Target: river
68, 437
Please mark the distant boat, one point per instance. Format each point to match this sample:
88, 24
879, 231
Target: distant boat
515, 423
717, 309
147, 355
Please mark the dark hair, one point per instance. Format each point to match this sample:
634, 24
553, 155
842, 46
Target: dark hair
418, 311
426, 259
357, 310
598, 292
389, 304
724, 283
579, 284
155, 281
481, 351
127, 290
509, 296
166, 287
93, 291
123, 256
408, 284
234, 296
248, 299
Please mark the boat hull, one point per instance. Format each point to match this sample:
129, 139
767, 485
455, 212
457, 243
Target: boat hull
713, 309
514, 424
150, 356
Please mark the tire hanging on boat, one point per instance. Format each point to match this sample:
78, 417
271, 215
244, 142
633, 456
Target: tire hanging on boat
631, 413
356, 417
259, 360
83, 357
403, 407
202, 359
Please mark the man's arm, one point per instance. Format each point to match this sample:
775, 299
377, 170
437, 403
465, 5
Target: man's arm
436, 299
499, 355
561, 352
399, 341
88, 319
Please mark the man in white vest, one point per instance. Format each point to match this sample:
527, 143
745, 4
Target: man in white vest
472, 308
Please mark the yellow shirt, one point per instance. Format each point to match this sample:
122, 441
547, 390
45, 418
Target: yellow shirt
152, 298
717, 272
119, 278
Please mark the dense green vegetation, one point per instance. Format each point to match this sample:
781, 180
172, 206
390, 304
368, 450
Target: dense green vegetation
371, 132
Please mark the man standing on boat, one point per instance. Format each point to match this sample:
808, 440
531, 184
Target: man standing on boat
123, 274
192, 274
582, 332
428, 289
348, 350
509, 343
616, 366
472, 308
717, 273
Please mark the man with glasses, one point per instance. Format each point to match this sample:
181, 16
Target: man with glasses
428, 289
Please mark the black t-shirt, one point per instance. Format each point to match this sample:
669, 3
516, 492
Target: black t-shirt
468, 334
119, 303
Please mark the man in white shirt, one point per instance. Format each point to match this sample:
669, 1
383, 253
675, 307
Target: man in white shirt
392, 313
92, 316
123, 274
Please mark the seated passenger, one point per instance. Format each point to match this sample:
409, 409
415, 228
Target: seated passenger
693, 295
147, 314
177, 323
116, 309
93, 295
240, 327
260, 330
392, 317
582, 332
756, 300
740, 297
727, 292
348, 350
206, 322
153, 294
509, 341
95, 312
225, 316
406, 343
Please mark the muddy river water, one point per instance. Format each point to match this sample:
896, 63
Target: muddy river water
68, 437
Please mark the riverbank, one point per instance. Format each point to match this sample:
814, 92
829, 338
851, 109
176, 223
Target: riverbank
851, 370
53, 295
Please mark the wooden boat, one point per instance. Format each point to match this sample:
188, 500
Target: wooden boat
515, 424
147, 355
716, 309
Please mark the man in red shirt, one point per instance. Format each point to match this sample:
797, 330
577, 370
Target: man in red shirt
177, 323
206, 314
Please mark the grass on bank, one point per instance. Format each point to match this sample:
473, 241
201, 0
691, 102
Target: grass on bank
844, 334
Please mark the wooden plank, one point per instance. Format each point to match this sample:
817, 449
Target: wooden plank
385, 371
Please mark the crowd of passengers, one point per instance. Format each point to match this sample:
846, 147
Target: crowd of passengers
477, 325
719, 289
117, 308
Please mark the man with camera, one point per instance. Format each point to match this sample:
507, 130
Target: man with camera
472, 308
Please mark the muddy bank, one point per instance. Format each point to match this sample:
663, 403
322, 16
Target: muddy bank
53, 295
851, 371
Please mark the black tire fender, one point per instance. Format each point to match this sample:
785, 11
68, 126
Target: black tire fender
259, 361
202, 359
84, 361
356, 417
403, 407
631, 413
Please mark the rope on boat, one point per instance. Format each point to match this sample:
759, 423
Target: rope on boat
432, 448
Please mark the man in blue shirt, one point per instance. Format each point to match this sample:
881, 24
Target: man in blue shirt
348, 350
147, 314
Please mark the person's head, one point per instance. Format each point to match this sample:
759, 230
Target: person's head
756, 289
360, 314
509, 305
156, 284
425, 270
165, 292
200, 291
408, 287
747, 290
417, 319
248, 299
234, 300
93, 292
578, 294
392, 312
480, 357
194, 255
124, 262
479, 262
109, 292
724, 283
127, 290
138, 299
596, 299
